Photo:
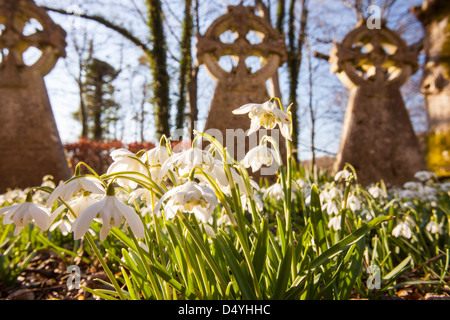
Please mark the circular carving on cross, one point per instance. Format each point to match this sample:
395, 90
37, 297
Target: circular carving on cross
14, 15
241, 20
373, 56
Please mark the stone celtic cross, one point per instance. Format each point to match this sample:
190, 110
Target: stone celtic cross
241, 85
377, 138
30, 147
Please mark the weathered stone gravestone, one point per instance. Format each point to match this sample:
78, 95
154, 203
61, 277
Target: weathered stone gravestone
435, 18
377, 138
241, 85
30, 147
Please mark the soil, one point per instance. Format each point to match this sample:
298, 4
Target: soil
46, 278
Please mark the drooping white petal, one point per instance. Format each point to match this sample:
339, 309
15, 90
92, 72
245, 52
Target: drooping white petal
41, 216
254, 126
8, 212
335, 223
121, 153
131, 217
84, 220
246, 108
167, 195
285, 131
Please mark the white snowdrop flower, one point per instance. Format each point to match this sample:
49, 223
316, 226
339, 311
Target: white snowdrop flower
366, 214
76, 205
329, 194
209, 231
189, 197
20, 214
64, 226
427, 191
73, 186
308, 200
377, 192
412, 185
433, 227
409, 204
267, 115
143, 246
335, 223
246, 204
409, 220
444, 186
425, 175
125, 160
301, 183
274, 192
343, 174
331, 207
407, 194
155, 159
259, 156
402, 229
146, 195
111, 212
219, 175
354, 203
224, 221
186, 160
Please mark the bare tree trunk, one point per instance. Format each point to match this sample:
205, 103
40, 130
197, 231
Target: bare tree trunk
158, 63
192, 84
281, 13
185, 65
312, 113
294, 60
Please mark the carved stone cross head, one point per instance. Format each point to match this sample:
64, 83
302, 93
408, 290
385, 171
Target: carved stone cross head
241, 20
376, 57
16, 17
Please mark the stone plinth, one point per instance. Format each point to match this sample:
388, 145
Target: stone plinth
241, 85
435, 18
377, 138
30, 145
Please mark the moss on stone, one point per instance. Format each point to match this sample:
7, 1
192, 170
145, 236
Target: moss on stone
438, 153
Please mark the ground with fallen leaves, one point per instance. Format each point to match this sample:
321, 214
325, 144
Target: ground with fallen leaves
45, 278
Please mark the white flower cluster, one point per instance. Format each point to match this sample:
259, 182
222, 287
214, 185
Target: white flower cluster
157, 181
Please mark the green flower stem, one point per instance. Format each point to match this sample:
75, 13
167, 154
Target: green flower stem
215, 269
150, 274
77, 169
105, 266
126, 175
344, 204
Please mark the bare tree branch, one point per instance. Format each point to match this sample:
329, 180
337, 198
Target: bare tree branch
121, 30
